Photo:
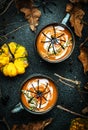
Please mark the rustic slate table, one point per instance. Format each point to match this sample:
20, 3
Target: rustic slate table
70, 68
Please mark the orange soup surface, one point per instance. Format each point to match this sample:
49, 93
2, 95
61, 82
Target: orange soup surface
39, 94
54, 43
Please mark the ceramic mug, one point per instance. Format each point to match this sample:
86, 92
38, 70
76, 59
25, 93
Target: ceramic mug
38, 95
55, 42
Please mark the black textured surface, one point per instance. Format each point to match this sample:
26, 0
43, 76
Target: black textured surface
70, 68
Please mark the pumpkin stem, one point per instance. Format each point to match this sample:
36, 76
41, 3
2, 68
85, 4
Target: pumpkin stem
12, 59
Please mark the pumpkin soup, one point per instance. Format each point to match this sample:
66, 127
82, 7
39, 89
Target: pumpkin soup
54, 43
39, 94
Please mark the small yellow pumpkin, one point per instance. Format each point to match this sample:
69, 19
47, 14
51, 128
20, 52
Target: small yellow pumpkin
13, 59
79, 124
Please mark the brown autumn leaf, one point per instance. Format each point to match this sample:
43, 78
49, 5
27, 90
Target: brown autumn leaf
85, 110
19, 127
83, 57
76, 18
32, 14
69, 7
39, 125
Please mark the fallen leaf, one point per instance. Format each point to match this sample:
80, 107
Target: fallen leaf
69, 7
23, 4
32, 14
76, 20
39, 125
83, 57
19, 127
85, 110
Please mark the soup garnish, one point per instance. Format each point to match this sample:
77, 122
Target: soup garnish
54, 43
39, 94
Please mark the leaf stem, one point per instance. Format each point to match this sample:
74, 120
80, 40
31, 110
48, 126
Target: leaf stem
6, 123
9, 4
77, 87
86, 40
84, 22
72, 86
66, 79
5, 36
66, 83
72, 112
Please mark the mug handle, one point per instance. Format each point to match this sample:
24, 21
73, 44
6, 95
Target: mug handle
17, 108
65, 19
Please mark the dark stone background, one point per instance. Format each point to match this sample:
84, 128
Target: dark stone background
70, 68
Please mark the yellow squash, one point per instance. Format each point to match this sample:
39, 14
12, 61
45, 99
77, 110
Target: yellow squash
79, 124
13, 59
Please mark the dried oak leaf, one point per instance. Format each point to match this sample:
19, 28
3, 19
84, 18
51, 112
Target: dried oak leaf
83, 57
76, 20
40, 125
69, 7
32, 14
19, 127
